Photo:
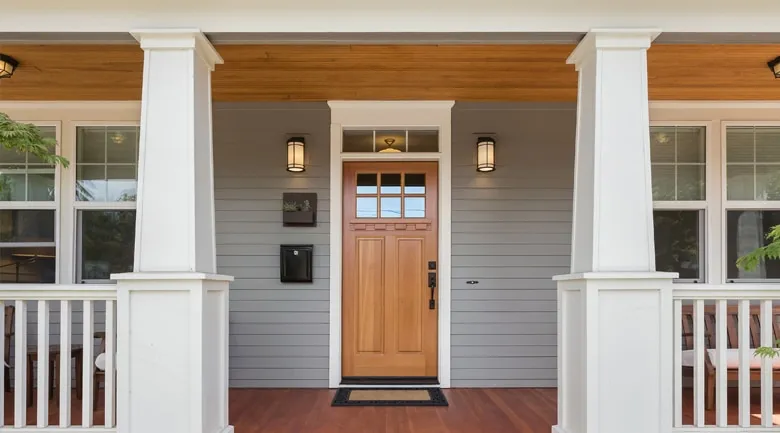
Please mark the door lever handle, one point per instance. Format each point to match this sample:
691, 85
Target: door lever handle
432, 286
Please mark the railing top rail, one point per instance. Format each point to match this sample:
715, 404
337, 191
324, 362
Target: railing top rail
732, 291
57, 292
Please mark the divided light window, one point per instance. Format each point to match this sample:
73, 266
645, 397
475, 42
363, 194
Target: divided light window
106, 188
27, 217
752, 166
390, 141
678, 158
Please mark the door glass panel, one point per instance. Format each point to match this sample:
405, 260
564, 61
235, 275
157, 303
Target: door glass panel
366, 207
391, 207
391, 183
366, 183
414, 207
414, 183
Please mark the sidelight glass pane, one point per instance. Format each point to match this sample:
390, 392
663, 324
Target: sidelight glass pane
746, 230
414, 207
391, 183
414, 183
366, 207
391, 207
678, 242
366, 183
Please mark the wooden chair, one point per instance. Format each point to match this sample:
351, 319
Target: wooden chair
732, 341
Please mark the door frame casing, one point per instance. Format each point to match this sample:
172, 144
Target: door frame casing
391, 114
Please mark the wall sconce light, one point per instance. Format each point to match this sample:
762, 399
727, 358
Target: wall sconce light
774, 66
7, 66
295, 152
486, 154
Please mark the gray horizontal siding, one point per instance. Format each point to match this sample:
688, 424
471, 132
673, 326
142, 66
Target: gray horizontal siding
511, 233
278, 332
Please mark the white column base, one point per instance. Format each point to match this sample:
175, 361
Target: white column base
614, 356
172, 349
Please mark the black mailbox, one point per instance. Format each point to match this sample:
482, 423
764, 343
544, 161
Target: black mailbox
295, 263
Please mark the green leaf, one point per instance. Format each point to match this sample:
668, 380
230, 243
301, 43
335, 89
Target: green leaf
27, 138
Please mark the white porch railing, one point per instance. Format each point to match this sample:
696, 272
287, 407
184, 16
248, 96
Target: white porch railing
720, 325
63, 319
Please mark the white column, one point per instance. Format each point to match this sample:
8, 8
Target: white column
172, 362
615, 311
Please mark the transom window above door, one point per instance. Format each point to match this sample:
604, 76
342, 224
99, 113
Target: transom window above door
390, 140
390, 195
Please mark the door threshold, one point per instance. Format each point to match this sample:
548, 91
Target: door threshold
389, 381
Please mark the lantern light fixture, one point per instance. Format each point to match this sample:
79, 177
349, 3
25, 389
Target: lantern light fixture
295, 152
7, 66
774, 66
486, 154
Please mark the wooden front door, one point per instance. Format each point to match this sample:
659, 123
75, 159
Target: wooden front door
390, 312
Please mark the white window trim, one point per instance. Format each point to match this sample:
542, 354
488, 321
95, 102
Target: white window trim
727, 204
707, 247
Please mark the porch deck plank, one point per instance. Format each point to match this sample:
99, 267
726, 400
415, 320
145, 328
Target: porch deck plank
471, 410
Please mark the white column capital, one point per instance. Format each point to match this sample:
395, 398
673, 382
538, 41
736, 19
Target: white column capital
598, 39
179, 39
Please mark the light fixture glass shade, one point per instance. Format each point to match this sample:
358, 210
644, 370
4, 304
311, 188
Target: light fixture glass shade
486, 154
7, 66
295, 152
774, 65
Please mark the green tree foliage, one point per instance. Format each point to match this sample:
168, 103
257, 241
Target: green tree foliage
27, 138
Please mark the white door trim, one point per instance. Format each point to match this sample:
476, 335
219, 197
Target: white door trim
387, 114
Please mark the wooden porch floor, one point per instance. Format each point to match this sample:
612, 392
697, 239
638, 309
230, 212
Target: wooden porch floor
474, 410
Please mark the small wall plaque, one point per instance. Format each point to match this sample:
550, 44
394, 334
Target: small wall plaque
299, 209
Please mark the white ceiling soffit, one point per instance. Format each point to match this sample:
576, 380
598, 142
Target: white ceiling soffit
387, 38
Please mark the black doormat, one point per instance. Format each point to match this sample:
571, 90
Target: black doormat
389, 397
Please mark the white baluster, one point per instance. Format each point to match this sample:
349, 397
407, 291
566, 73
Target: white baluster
678, 401
721, 346
20, 365
65, 363
88, 365
745, 352
43, 364
767, 385
110, 383
699, 352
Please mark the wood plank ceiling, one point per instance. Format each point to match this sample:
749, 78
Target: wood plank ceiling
390, 72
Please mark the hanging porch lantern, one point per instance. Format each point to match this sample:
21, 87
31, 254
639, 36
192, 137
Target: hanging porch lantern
7, 66
295, 152
486, 154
